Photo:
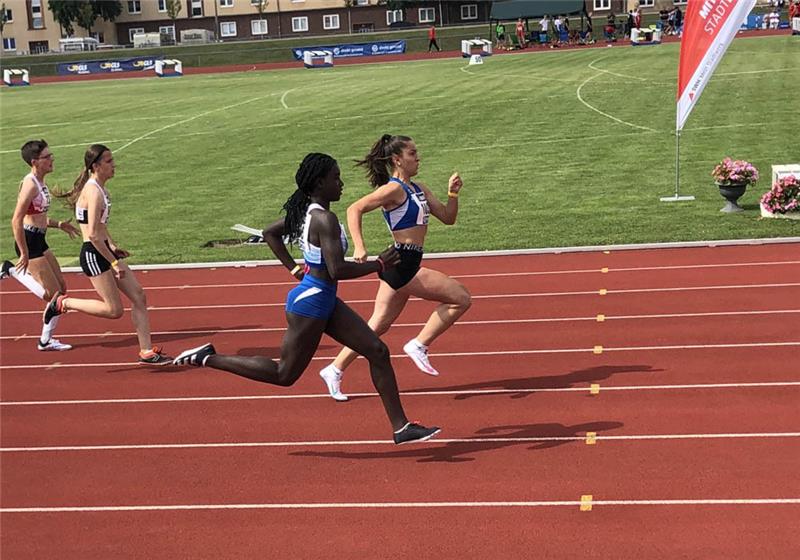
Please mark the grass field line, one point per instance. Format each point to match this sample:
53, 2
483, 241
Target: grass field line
402, 505
517, 352
593, 318
189, 119
595, 109
283, 97
609, 270
600, 293
84, 123
360, 443
410, 393
593, 67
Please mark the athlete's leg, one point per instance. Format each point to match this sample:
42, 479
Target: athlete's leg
130, 286
109, 307
433, 285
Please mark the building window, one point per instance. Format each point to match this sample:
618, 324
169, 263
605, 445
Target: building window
330, 21
299, 24
37, 20
427, 15
133, 31
393, 16
469, 11
226, 3
197, 8
99, 36
680, 2
227, 29
168, 30
362, 2
647, 3
162, 5
258, 27
602, 4
9, 44
9, 16
134, 6
297, 1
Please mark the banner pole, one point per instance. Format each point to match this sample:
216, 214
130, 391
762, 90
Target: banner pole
677, 197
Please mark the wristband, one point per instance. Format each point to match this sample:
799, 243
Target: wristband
114, 263
58, 225
296, 269
380, 264
452, 194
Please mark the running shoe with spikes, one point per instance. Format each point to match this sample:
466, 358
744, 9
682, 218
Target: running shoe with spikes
154, 357
54, 308
419, 354
53, 345
413, 432
5, 268
195, 356
333, 379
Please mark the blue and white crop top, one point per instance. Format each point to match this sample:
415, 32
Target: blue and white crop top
82, 214
413, 212
311, 253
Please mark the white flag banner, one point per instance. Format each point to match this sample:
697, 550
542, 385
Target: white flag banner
708, 29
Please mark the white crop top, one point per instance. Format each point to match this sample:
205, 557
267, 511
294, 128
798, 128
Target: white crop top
311, 253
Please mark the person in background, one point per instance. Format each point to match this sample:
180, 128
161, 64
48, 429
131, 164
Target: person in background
520, 33
432, 39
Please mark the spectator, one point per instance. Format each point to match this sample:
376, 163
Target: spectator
432, 39
630, 23
611, 28
520, 33
500, 32
678, 21
588, 38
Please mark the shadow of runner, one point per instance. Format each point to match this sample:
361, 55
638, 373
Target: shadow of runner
528, 385
461, 451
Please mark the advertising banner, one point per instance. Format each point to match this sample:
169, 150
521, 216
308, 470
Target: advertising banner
106, 66
355, 49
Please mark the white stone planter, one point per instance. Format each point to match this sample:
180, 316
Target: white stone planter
790, 216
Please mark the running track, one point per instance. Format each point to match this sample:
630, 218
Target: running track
683, 362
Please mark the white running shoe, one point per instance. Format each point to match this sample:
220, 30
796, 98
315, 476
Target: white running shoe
419, 354
53, 345
333, 379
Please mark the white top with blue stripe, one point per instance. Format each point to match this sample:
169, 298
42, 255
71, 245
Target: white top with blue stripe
413, 212
311, 253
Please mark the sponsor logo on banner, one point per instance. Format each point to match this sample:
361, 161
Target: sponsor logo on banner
356, 49
106, 66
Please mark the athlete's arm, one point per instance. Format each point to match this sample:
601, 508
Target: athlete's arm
326, 226
273, 235
27, 193
445, 212
387, 196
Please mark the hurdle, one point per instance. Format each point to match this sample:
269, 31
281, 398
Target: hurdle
796, 26
468, 44
168, 68
317, 59
645, 36
16, 77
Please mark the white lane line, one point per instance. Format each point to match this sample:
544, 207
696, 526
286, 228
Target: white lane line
596, 110
353, 443
413, 393
474, 297
593, 318
482, 275
520, 352
197, 116
398, 505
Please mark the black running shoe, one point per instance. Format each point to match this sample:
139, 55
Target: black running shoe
4, 268
195, 356
154, 358
412, 432
53, 308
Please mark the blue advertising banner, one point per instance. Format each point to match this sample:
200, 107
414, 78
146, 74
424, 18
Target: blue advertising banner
356, 49
106, 66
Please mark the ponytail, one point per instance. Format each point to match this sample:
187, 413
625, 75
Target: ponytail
313, 167
90, 158
378, 161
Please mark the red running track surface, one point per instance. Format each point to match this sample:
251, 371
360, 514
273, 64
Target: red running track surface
692, 352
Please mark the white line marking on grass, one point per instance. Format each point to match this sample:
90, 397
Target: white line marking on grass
519, 352
591, 65
474, 297
351, 443
755, 72
283, 97
73, 145
197, 116
412, 393
84, 123
593, 318
399, 505
596, 110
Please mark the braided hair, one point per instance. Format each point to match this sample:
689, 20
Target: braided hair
313, 167
379, 159
90, 158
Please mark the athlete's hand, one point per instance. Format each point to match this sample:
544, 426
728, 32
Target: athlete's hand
121, 253
390, 257
69, 229
360, 254
119, 271
454, 184
22, 264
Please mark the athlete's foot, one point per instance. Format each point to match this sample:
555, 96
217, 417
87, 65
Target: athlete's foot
419, 354
54, 308
332, 377
154, 357
5, 268
53, 345
195, 356
412, 432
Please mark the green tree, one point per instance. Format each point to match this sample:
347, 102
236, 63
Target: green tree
86, 17
65, 13
83, 12
107, 9
173, 9
3, 18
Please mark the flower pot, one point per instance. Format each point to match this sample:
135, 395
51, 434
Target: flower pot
731, 192
787, 216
